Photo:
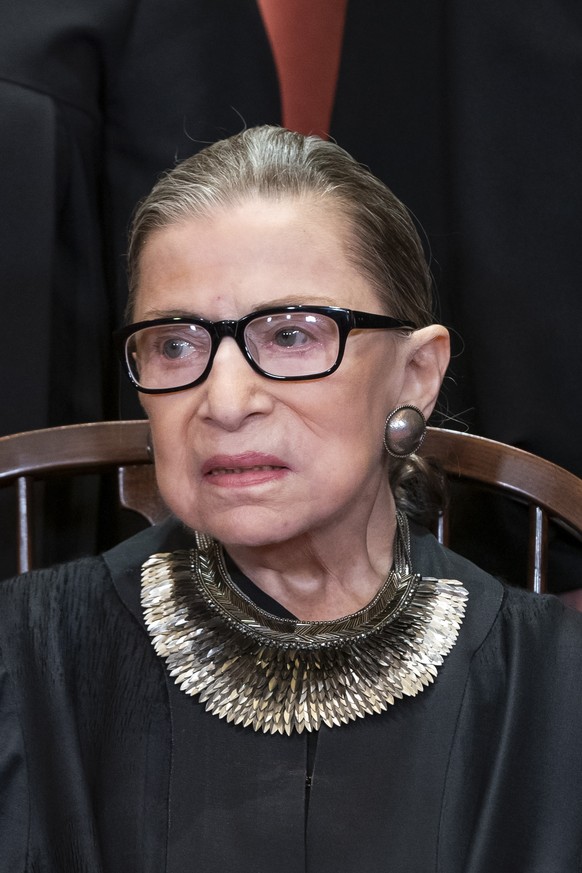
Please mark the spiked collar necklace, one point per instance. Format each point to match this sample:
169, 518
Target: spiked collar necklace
279, 675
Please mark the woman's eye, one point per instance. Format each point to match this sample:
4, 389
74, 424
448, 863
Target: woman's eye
175, 348
289, 338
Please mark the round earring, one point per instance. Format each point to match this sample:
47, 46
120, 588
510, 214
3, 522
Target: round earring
404, 431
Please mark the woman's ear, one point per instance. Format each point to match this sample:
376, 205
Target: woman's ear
427, 359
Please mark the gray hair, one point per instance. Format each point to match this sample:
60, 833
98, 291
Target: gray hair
274, 163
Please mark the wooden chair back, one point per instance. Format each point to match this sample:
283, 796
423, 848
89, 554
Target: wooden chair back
551, 492
72, 450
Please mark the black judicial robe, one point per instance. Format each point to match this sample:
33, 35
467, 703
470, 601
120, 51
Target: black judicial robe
470, 112
97, 98
106, 766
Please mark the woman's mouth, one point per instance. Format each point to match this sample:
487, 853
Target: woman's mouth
251, 468
220, 471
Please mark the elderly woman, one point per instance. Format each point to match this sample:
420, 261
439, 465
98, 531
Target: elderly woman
289, 674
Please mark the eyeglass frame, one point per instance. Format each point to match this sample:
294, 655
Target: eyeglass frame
345, 319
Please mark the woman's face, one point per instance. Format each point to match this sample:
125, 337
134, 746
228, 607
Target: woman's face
251, 460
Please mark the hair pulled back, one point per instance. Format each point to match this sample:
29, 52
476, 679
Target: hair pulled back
274, 163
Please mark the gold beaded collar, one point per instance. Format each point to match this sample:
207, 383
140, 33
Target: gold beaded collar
277, 674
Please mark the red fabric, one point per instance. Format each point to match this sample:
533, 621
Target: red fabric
306, 38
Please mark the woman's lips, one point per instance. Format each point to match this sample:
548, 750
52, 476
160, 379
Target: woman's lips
250, 468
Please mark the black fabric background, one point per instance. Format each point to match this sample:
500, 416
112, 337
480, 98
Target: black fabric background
471, 113
97, 98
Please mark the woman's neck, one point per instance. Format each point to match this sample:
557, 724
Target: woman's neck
323, 575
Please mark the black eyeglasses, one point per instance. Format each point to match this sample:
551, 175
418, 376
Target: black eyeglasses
287, 342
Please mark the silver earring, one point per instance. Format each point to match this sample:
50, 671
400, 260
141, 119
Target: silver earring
404, 431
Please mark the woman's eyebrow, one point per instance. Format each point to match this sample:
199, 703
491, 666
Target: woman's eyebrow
170, 313
294, 300
291, 300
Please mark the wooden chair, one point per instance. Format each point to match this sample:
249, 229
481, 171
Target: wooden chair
73, 450
551, 492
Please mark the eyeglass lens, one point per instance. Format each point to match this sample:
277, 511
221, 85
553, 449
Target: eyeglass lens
168, 356
293, 343
284, 344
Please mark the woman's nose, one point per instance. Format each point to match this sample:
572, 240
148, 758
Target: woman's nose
233, 390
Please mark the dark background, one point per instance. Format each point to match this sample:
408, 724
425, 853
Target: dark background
472, 113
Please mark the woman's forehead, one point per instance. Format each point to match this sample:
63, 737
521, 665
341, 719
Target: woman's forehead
257, 212
255, 253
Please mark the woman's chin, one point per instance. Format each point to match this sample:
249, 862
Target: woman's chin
251, 527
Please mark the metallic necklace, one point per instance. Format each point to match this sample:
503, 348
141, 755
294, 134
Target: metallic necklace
280, 675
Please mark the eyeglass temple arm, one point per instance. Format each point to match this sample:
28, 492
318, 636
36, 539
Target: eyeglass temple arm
366, 319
